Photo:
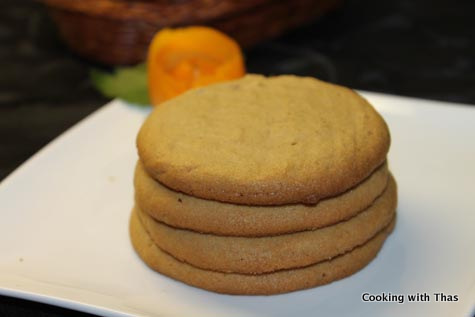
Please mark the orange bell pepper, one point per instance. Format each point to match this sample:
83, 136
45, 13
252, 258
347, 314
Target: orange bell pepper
184, 58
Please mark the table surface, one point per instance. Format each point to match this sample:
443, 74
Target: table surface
420, 48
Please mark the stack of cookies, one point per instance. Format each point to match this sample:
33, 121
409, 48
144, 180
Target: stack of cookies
262, 185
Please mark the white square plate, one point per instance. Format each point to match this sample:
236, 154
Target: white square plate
64, 226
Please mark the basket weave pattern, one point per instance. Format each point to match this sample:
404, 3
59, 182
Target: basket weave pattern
117, 32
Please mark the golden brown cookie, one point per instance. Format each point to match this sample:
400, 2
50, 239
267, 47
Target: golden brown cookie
254, 284
268, 254
188, 212
264, 141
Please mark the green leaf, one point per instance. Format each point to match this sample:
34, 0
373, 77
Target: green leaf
127, 83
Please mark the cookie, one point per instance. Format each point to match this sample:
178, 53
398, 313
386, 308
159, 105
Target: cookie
254, 284
264, 141
267, 254
207, 216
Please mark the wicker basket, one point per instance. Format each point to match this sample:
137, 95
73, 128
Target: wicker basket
117, 32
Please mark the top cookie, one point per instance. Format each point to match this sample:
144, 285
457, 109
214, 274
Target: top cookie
264, 141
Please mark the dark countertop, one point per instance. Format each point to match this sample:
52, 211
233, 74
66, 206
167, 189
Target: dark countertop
420, 48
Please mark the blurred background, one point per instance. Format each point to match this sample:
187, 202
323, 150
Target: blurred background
422, 48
